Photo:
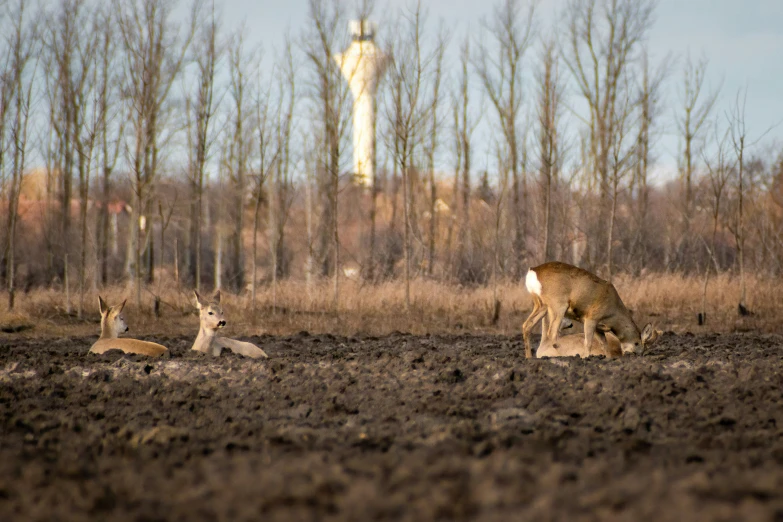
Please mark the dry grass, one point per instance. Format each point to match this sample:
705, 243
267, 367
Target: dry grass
671, 302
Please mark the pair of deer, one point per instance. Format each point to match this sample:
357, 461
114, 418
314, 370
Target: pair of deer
561, 291
208, 341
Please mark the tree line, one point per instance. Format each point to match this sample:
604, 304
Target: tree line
143, 140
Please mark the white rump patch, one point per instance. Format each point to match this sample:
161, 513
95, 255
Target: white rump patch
532, 283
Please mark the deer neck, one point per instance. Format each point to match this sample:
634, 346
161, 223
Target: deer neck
204, 339
107, 332
625, 329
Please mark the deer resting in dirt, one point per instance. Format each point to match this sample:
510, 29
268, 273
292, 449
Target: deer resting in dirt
211, 319
561, 290
113, 324
573, 345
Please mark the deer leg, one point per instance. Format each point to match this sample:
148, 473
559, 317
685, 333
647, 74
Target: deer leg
590, 331
556, 315
535, 316
544, 331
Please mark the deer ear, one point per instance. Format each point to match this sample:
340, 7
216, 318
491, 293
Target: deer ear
199, 300
102, 305
119, 308
216, 297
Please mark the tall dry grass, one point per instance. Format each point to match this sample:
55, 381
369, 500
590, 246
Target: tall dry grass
671, 302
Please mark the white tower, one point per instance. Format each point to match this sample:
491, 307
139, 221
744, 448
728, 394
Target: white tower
362, 64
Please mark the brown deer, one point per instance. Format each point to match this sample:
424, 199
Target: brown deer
561, 290
113, 324
573, 345
212, 320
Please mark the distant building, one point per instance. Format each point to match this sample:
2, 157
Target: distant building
362, 64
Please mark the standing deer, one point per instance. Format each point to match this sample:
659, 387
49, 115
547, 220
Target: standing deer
561, 290
211, 320
113, 324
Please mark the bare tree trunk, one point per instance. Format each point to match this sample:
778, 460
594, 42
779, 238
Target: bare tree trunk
502, 188
17, 88
272, 232
690, 123
602, 40
309, 169
610, 233
268, 160
406, 233
719, 173
464, 126
550, 93
255, 251
333, 195
153, 61
281, 197
330, 97
370, 263
85, 146
407, 113
241, 64
66, 43
67, 285
202, 103
431, 149
502, 81
738, 136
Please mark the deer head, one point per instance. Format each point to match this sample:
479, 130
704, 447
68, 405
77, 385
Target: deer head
210, 312
112, 320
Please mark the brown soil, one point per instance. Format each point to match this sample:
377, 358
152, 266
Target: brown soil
393, 428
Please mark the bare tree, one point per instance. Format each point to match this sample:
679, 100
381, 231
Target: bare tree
22, 45
8, 85
68, 77
203, 106
431, 146
500, 70
243, 68
110, 128
496, 261
550, 93
649, 101
331, 102
267, 160
620, 166
602, 39
281, 191
154, 54
464, 124
719, 171
407, 111
738, 134
696, 109
87, 120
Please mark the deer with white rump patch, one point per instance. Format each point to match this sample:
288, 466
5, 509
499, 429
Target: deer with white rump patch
211, 319
562, 290
113, 324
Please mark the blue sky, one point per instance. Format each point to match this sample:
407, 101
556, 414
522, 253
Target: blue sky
743, 41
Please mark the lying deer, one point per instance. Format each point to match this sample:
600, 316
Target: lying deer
112, 324
561, 290
573, 344
211, 319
